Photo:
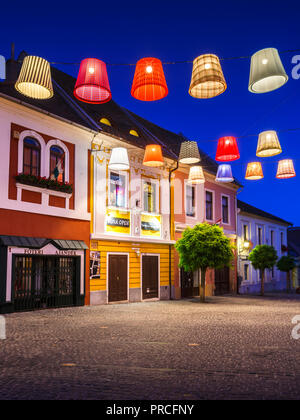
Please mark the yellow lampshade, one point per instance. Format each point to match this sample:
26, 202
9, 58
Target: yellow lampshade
254, 171
207, 78
35, 78
285, 169
196, 175
268, 144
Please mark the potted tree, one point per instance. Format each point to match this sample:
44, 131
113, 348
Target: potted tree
286, 264
205, 246
263, 257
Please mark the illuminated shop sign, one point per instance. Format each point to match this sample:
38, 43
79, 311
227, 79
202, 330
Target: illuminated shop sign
118, 221
151, 225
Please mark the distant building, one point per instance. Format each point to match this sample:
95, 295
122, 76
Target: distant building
257, 227
294, 251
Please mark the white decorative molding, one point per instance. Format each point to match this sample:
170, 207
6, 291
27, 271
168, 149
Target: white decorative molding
39, 138
45, 193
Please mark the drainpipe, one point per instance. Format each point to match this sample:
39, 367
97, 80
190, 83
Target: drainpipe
170, 221
237, 262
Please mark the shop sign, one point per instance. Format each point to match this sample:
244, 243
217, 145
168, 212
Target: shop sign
151, 225
95, 265
118, 221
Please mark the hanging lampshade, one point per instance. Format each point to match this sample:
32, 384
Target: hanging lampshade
224, 174
149, 83
119, 159
92, 85
34, 79
207, 77
267, 72
254, 171
268, 144
153, 156
189, 153
196, 175
285, 169
227, 149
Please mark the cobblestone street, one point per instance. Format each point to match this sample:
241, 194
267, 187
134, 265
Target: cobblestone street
229, 348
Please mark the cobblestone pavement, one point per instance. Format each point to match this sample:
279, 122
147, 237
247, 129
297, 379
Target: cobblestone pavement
228, 348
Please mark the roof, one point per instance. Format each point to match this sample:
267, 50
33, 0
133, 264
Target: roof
63, 104
38, 243
247, 208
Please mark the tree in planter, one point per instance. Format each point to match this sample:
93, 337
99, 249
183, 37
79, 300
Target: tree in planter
286, 264
263, 257
205, 246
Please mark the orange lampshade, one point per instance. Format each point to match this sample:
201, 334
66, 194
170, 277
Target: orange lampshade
254, 171
149, 83
285, 169
153, 156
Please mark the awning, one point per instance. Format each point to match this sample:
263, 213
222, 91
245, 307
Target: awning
38, 243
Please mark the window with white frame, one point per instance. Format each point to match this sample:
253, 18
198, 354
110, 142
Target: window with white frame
246, 232
272, 236
150, 196
246, 272
260, 235
209, 205
190, 200
117, 189
225, 209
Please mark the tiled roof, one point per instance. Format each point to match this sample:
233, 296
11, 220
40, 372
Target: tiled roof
247, 208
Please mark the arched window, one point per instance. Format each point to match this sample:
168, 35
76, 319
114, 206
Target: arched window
31, 157
57, 164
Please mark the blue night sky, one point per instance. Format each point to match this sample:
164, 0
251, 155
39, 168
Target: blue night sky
125, 31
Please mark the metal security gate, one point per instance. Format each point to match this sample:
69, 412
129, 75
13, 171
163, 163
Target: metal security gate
44, 282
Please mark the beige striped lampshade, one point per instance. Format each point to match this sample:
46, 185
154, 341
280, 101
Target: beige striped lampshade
196, 175
285, 169
254, 171
35, 78
189, 153
207, 78
268, 144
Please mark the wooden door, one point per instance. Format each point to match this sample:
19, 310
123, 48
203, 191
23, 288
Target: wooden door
188, 286
222, 279
150, 276
117, 278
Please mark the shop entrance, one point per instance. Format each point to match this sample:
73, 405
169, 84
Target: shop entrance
150, 276
45, 282
117, 278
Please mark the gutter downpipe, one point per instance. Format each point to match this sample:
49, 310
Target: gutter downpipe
237, 261
170, 217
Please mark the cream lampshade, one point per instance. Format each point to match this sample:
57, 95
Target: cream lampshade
35, 78
267, 72
119, 159
196, 175
285, 169
268, 144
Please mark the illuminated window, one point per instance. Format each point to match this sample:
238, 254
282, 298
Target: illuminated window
190, 201
31, 157
117, 190
134, 133
105, 121
57, 163
150, 196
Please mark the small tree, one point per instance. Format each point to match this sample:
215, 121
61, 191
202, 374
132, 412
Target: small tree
263, 257
205, 246
286, 264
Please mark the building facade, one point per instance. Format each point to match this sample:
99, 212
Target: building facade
213, 203
256, 227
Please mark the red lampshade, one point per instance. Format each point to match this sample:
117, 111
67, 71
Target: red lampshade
92, 85
153, 156
227, 149
149, 83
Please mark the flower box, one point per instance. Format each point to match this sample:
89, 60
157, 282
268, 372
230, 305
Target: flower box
43, 182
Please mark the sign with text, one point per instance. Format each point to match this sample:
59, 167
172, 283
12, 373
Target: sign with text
151, 225
118, 221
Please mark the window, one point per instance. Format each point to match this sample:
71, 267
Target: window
246, 272
57, 163
225, 209
281, 239
31, 157
190, 201
272, 237
246, 233
209, 205
259, 235
150, 198
117, 190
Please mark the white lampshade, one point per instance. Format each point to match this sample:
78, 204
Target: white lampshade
196, 175
267, 72
119, 159
224, 174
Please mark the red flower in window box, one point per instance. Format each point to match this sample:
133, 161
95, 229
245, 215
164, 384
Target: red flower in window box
43, 182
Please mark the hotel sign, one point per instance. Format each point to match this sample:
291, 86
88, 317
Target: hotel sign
118, 221
151, 225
